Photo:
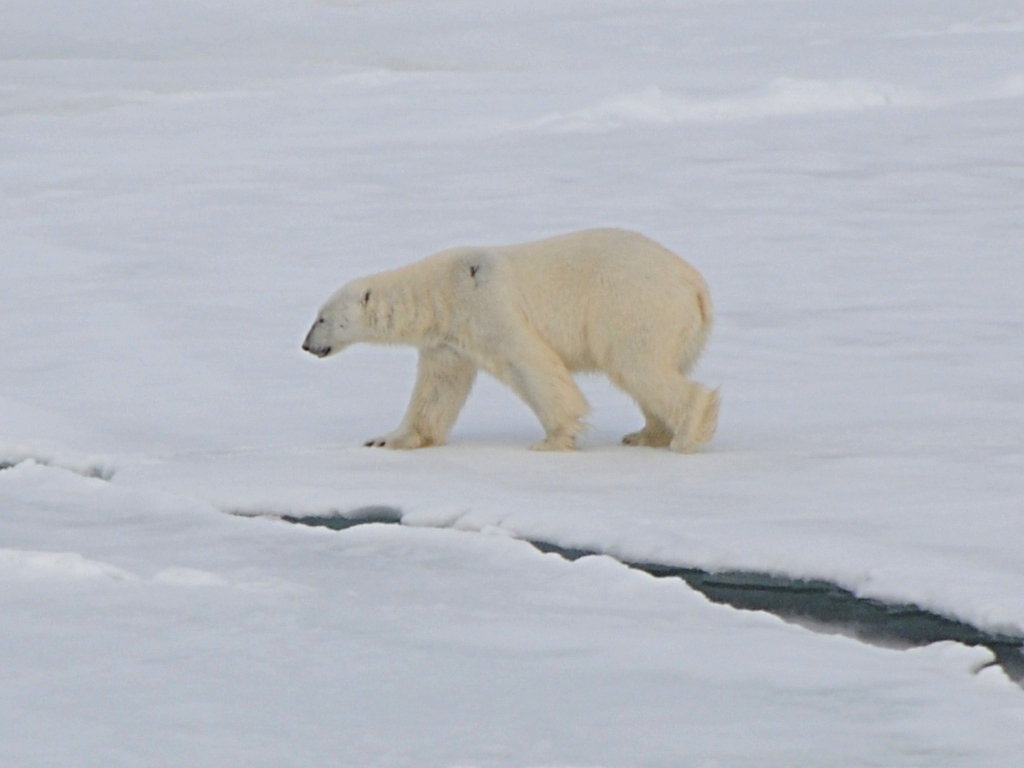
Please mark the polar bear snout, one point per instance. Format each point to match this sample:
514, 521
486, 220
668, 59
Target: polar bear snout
318, 351
315, 343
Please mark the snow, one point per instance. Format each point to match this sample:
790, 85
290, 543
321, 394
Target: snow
183, 184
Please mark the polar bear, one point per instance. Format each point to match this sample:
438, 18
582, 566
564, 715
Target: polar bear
531, 314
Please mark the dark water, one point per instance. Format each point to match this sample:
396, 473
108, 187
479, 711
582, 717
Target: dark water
819, 605
361, 516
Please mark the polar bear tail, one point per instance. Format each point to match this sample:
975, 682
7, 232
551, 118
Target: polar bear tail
697, 335
704, 305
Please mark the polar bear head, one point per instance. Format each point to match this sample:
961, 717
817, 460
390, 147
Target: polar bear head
342, 321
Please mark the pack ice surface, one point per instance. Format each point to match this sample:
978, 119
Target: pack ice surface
183, 183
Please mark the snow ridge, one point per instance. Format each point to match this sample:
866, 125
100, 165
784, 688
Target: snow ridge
782, 97
101, 469
26, 564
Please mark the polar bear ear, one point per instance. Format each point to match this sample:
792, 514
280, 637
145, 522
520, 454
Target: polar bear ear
366, 298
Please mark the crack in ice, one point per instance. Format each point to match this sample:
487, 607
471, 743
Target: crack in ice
818, 605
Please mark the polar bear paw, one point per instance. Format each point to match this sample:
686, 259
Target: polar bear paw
399, 441
652, 438
559, 442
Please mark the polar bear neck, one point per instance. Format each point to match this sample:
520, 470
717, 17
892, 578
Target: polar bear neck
406, 308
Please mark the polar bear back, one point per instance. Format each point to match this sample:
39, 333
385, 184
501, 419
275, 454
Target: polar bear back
596, 294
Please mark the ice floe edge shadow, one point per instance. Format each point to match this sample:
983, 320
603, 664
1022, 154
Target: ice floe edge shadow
818, 605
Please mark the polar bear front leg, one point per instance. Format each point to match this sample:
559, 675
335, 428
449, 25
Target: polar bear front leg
444, 378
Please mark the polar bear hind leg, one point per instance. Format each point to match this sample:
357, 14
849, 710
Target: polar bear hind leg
680, 413
703, 420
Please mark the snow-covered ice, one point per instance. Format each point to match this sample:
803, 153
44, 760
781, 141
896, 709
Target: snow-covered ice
183, 184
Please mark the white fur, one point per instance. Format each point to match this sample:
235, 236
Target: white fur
532, 314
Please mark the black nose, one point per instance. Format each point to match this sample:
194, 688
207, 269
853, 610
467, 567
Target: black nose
318, 351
